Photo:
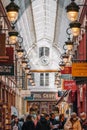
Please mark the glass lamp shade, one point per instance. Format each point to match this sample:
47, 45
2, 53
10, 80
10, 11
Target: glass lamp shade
12, 11
27, 70
69, 47
75, 28
57, 78
31, 80
72, 15
33, 84
28, 76
72, 11
75, 31
13, 36
12, 16
56, 82
69, 44
62, 65
65, 57
20, 53
12, 39
24, 63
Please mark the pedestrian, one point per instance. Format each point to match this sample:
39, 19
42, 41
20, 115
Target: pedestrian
42, 124
83, 120
62, 121
72, 123
28, 124
47, 117
15, 125
54, 124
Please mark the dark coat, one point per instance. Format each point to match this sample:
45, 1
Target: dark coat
18, 124
54, 123
28, 125
84, 124
42, 124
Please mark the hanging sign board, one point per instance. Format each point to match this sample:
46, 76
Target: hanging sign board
70, 85
66, 76
66, 70
6, 69
79, 69
2, 44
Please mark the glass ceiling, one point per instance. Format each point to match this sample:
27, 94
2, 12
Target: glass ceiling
44, 13
41, 20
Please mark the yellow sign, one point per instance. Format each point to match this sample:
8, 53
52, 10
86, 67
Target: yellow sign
79, 69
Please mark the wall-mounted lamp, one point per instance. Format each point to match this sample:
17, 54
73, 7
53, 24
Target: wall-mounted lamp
75, 28
24, 63
68, 45
33, 84
72, 11
13, 36
12, 11
27, 69
65, 57
29, 75
20, 52
62, 65
31, 80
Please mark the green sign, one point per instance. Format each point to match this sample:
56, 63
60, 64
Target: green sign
28, 98
66, 76
6, 69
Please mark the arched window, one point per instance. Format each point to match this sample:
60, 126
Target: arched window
43, 51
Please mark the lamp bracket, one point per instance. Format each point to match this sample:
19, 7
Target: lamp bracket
82, 5
20, 40
68, 31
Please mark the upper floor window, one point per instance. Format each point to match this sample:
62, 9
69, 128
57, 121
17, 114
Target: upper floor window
32, 77
44, 79
43, 51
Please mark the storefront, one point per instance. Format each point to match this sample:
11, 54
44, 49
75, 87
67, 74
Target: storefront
41, 102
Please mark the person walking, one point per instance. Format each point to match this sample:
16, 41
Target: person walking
42, 124
28, 124
54, 124
83, 121
15, 125
72, 123
62, 121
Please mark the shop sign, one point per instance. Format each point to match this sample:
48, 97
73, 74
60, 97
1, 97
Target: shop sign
6, 69
2, 44
66, 70
66, 76
79, 69
29, 98
25, 93
44, 96
70, 85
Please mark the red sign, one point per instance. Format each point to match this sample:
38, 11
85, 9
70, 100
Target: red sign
66, 70
10, 55
70, 85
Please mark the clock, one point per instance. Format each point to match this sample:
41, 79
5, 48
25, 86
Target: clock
44, 60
